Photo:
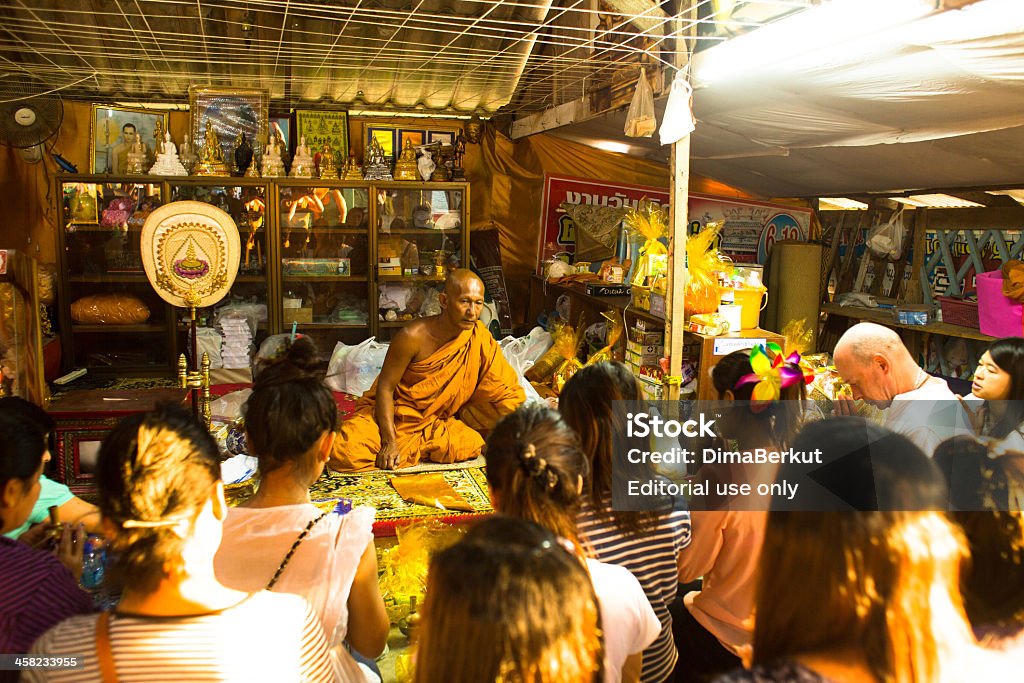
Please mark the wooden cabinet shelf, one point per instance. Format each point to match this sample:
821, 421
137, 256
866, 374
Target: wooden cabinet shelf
277, 238
885, 317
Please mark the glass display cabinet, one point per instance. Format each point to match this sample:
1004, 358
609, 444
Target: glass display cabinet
422, 233
111, 319
324, 245
339, 260
246, 202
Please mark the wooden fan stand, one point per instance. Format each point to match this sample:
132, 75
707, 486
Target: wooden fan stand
196, 379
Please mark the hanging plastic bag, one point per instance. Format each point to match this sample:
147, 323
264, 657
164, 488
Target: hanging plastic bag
640, 121
678, 121
362, 365
885, 240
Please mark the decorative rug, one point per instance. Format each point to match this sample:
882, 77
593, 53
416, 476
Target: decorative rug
374, 488
473, 463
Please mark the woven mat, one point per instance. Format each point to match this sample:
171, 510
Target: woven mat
474, 463
374, 488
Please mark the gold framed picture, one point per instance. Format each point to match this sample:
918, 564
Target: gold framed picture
231, 111
112, 132
323, 127
385, 136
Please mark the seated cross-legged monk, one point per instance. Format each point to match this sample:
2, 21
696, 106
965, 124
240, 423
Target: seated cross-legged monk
444, 381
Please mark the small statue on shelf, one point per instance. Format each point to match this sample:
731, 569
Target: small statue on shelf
352, 170
211, 156
376, 166
458, 154
158, 142
302, 163
405, 167
328, 167
167, 161
137, 159
243, 153
273, 167
186, 155
441, 173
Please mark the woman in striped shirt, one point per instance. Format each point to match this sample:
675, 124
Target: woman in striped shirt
594, 403
36, 589
163, 506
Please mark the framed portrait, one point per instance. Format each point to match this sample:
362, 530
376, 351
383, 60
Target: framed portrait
113, 131
445, 137
231, 111
323, 128
385, 136
284, 123
417, 137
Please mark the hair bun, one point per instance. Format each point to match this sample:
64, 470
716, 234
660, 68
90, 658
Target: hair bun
289, 360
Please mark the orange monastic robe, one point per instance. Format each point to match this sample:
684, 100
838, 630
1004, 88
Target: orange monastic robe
441, 405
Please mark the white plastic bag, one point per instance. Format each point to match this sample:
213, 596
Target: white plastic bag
640, 121
335, 379
678, 121
885, 240
362, 365
523, 352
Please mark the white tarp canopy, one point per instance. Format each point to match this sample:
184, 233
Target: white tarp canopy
935, 102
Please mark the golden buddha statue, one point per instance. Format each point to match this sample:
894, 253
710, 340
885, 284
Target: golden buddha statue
328, 167
405, 167
352, 170
211, 155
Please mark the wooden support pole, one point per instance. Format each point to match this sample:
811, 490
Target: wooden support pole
677, 265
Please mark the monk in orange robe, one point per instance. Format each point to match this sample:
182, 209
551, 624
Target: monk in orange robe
443, 382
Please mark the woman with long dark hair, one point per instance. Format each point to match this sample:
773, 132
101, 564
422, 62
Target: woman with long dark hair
594, 402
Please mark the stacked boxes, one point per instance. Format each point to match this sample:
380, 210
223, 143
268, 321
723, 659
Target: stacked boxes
644, 350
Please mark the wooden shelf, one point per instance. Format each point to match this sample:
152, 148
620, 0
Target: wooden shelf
94, 227
106, 329
327, 230
620, 303
409, 278
884, 316
251, 278
324, 278
332, 326
110, 277
420, 231
391, 325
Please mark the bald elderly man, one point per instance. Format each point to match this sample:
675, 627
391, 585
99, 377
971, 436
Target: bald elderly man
443, 382
880, 370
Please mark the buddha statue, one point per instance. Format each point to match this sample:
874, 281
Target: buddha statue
211, 155
273, 166
243, 153
376, 166
352, 170
137, 159
405, 167
302, 162
328, 167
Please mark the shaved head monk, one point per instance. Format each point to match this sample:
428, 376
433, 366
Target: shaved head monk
444, 381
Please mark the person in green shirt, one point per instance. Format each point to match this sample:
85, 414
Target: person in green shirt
70, 508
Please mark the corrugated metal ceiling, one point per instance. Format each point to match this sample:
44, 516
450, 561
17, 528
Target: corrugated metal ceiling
429, 55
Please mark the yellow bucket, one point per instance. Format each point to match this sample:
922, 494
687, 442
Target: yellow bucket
752, 300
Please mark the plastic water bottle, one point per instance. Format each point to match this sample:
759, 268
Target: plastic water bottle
94, 560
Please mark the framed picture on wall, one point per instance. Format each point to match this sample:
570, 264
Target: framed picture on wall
231, 112
445, 137
323, 128
284, 123
417, 137
386, 138
113, 131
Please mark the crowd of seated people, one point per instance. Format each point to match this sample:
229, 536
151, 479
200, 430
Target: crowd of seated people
916, 577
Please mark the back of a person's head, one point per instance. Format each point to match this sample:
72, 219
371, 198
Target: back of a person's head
18, 407
986, 494
587, 403
290, 407
882, 577
21, 449
156, 471
782, 415
508, 603
535, 467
